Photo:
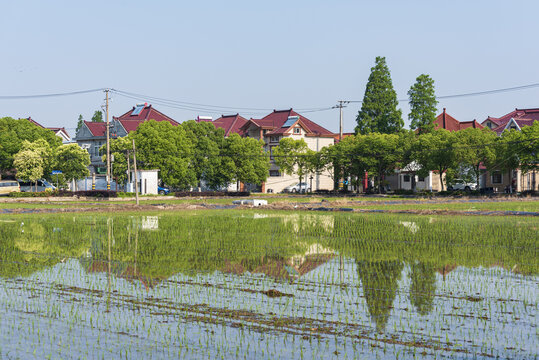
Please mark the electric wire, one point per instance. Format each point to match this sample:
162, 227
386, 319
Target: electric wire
17, 97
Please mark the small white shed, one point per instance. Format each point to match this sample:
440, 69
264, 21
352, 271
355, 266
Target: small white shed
147, 181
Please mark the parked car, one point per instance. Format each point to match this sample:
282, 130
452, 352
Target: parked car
9, 186
297, 188
42, 185
459, 184
163, 190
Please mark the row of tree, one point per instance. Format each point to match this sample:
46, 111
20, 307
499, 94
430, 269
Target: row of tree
464, 154
191, 154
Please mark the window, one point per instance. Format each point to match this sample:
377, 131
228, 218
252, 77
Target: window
420, 178
497, 177
137, 109
297, 130
406, 178
290, 121
275, 173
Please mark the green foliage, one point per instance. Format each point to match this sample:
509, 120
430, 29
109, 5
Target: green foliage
14, 132
375, 153
72, 161
208, 144
519, 149
435, 151
97, 117
80, 122
250, 162
528, 149
161, 145
29, 165
379, 111
119, 149
475, 147
294, 157
422, 104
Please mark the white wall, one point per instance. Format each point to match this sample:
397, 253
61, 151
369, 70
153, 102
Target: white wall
147, 180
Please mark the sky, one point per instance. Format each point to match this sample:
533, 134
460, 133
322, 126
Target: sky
235, 56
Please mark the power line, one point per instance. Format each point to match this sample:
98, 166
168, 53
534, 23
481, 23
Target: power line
17, 97
478, 93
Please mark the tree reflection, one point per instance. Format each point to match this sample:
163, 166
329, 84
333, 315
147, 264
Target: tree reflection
379, 280
423, 287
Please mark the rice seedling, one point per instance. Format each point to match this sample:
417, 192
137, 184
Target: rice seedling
271, 284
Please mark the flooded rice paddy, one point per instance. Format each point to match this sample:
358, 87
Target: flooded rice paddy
267, 285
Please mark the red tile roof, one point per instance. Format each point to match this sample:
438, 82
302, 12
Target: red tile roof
148, 113
448, 122
35, 122
277, 118
230, 124
131, 122
96, 128
523, 117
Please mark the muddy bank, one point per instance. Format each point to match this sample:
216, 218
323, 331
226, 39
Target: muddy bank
105, 208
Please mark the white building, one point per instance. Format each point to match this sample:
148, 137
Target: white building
271, 129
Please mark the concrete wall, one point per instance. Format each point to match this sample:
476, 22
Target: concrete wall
147, 180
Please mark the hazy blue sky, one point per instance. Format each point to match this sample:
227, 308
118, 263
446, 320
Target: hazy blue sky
272, 54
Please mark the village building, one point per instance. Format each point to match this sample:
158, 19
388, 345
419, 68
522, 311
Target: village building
58, 131
271, 129
514, 180
92, 135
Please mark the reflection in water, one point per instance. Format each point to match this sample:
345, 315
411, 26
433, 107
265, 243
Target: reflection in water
423, 287
379, 281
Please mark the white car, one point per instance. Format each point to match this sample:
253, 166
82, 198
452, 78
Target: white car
297, 188
460, 184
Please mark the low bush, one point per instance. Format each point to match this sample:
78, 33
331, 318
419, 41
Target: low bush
210, 193
97, 193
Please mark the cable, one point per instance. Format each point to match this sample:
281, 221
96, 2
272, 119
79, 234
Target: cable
478, 93
16, 97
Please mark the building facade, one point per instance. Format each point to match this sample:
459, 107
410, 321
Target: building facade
271, 129
92, 135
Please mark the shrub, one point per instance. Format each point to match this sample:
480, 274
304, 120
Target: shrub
97, 193
211, 193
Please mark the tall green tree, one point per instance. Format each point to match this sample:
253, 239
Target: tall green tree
80, 122
161, 145
422, 104
294, 157
250, 163
208, 145
379, 111
98, 116
73, 161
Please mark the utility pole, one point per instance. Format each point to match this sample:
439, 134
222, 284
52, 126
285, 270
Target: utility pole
136, 175
340, 106
108, 137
